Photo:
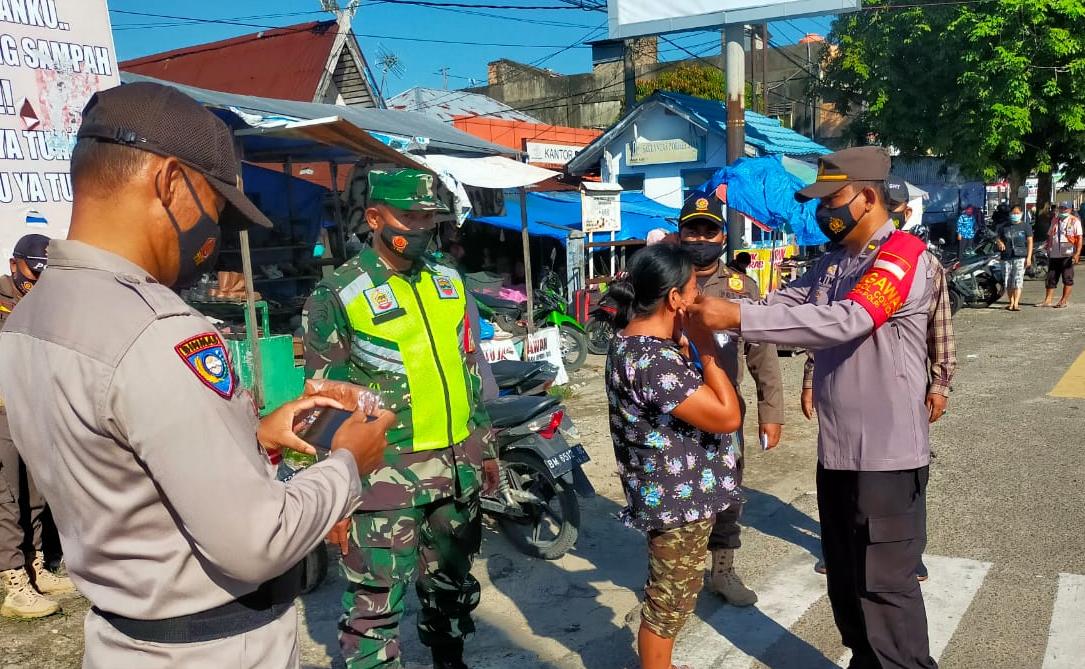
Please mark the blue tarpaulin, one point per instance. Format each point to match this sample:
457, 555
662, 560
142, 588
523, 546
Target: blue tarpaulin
762, 189
554, 214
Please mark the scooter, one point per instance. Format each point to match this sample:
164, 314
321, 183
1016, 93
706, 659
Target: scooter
973, 283
536, 503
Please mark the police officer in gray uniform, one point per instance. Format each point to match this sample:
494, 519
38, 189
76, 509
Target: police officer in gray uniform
863, 309
124, 406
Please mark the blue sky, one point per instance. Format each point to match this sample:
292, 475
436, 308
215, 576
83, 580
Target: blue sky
549, 38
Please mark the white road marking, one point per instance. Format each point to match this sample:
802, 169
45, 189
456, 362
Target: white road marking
1065, 638
947, 594
732, 637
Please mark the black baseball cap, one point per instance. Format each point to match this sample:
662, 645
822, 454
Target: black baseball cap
702, 206
163, 120
897, 190
32, 249
837, 170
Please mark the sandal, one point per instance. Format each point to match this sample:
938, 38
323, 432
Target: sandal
1061, 305
1042, 304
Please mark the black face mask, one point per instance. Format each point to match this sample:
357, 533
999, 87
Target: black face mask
408, 244
898, 219
704, 254
198, 246
837, 222
23, 282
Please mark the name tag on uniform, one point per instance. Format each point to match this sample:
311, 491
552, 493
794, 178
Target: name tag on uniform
382, 303
446, 290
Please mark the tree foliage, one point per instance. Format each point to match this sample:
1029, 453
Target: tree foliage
997, 87
696, 79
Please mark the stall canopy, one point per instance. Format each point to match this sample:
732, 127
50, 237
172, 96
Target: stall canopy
557, 214
397, 129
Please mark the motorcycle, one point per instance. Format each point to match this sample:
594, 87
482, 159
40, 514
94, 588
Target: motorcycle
536, 503
551, 309
600, 327
974, 282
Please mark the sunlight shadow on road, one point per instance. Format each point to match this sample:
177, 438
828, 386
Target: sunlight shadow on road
774, 517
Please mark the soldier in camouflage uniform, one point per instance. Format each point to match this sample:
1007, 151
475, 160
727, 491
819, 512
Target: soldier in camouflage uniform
394, 319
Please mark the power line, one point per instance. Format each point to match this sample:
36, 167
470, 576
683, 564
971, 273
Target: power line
357, 34
466, 5
445, 99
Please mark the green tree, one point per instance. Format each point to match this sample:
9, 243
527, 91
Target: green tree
699, 80
997, 87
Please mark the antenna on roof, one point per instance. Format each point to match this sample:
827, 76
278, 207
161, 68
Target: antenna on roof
389, 63
342, 13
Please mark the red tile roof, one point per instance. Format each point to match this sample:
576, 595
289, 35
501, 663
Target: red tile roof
284, 63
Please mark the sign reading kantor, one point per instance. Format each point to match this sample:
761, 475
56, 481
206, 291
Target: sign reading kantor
54, 54
633, 18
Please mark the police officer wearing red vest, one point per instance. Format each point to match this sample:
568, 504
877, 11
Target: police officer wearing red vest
863, 309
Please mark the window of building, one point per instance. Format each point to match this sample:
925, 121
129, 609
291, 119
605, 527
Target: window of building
693, 179
631, 181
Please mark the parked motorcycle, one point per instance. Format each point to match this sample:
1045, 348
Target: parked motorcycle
600, 327
551, 309
536, 504
974, 282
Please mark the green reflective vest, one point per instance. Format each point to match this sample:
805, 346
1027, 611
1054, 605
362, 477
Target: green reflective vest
408, 334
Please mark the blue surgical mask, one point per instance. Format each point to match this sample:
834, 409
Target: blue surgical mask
1016, 218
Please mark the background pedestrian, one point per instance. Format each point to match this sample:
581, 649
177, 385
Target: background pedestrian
1015, 243
1063, 252
21, 505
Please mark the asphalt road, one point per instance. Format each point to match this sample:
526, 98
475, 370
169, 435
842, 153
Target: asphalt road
1007, 518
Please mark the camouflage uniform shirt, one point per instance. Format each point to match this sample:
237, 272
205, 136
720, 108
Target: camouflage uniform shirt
408, 479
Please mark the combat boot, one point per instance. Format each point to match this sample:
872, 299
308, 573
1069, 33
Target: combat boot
22, 600
725, 582
46, 581
448, 656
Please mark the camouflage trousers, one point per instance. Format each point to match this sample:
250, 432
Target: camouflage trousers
432, 546
675, 576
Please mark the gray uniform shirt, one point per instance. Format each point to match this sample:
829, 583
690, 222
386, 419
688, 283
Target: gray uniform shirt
165, 503
870, 387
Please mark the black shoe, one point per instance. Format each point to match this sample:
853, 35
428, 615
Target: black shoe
921, 572
448, 656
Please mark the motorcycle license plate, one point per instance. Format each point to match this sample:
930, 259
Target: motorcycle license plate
563, 462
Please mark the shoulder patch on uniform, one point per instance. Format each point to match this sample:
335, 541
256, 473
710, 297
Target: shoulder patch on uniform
205, 355
735, 283
446, 290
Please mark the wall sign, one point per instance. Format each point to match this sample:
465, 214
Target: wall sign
551, 154
56, 54
662, 151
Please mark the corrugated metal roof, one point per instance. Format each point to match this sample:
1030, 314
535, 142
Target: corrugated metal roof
379, 122
285, 63
445, 105
766, 135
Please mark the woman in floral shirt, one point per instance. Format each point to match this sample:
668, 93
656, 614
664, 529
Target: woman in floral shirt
669, 422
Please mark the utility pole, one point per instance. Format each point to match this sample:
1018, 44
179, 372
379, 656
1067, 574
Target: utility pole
444, 77
765, 69
629, 75
735, 36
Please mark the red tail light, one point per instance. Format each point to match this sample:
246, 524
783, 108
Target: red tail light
555, 422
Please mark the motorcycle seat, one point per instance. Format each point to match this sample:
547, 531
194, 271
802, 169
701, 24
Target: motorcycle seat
498, 304
508, 373
516, 409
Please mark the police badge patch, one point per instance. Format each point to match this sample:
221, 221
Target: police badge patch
205, 355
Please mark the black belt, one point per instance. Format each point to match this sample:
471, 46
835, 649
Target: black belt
245, 614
